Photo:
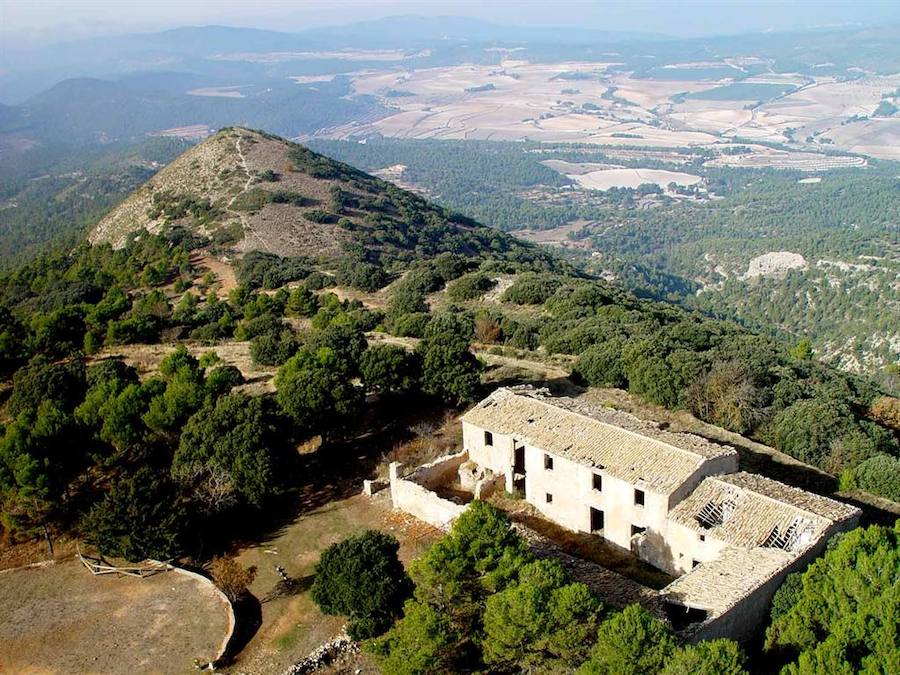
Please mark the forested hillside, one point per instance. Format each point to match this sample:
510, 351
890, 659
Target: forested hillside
694, 247
53, 195
184, 455
85, 112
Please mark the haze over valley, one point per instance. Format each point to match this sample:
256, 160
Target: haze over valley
413, 338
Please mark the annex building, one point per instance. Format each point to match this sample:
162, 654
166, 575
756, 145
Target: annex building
675, 500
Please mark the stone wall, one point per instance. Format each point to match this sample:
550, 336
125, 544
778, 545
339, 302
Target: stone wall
441, 471
408, 495
744, 621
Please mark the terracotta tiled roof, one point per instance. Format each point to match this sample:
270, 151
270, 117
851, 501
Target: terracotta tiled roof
747, 510
621, 444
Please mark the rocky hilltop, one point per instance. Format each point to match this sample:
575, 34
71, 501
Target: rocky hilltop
249, 191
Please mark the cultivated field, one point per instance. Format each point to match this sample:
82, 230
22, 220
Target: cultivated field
767, 158
193, 131
599, 177
61, 619
586, 102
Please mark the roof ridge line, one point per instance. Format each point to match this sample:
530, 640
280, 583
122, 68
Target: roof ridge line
779, 501
698, 455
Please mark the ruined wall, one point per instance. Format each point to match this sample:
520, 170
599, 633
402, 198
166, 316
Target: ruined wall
498, 457
685, 546
417, 500
440, 471
745, 619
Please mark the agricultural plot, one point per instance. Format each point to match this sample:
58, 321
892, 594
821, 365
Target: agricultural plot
683, 105
766, 158
879, 137
600, 177
742, 91
563, 102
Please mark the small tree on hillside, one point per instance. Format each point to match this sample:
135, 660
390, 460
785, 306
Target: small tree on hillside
844, 618
449, 369
542, 619
632, 642
141, 517
314, 393
363, 579
710, 657
388, 369
231, 577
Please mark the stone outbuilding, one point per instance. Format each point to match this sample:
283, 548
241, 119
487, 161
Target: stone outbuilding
675, 500
590, 470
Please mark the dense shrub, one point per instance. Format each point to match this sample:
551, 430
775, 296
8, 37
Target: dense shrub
140, 518
531, 288
844, 618
388, 369
879, 475
362, 578
601, 365
259, 269
470, 286
360, 274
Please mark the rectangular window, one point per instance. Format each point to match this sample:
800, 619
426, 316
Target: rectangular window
549, 498
702, 537
596, 520
639, 497
694, 563
598, 482
637, 529
548, 462
488, 438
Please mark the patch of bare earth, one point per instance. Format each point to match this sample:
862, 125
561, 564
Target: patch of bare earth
62, 619
224, 273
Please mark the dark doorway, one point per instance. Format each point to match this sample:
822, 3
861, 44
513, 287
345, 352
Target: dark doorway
519, 459
681, 616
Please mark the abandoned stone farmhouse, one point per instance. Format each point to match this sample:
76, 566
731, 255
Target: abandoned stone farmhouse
674, 500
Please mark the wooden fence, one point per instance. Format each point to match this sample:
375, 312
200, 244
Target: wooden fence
147, 568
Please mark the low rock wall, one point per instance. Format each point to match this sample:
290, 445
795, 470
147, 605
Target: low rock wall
412, 497
441, 471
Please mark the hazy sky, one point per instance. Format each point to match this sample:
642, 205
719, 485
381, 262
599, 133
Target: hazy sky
56, 20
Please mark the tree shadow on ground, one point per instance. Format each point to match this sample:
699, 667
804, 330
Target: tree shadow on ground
287, 588
247, 620
333, 472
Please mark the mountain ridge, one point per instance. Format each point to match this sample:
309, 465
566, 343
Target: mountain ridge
246, 190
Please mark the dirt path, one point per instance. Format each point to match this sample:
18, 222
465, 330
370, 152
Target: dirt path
245, 225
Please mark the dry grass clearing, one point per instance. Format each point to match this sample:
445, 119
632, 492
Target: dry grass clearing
292, 625
61, 619
146, 358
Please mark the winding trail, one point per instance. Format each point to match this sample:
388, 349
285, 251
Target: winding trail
245, 225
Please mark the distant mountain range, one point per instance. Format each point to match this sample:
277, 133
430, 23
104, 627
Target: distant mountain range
198, 50
83, 111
